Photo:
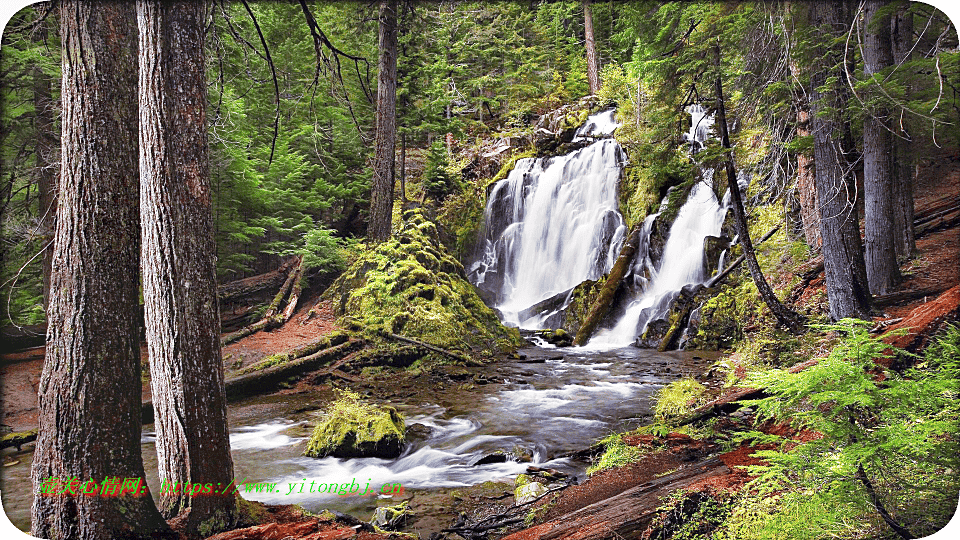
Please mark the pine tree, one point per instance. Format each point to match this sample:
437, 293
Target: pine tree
89, 393
179, 268
881, 257
381, 190
847, 290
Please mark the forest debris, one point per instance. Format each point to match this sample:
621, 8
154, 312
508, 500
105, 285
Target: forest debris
271, 318
18, 439
925, 320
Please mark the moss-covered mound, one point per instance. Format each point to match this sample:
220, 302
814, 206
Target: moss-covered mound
411, 286
352, 427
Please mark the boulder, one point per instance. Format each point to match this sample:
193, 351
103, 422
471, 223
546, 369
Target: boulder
353, 428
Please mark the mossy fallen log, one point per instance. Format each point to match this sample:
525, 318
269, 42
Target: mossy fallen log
268, 379
602, 304
18, 439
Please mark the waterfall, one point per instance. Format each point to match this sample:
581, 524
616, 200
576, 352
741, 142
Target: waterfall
682, 261
681, 264
550, 225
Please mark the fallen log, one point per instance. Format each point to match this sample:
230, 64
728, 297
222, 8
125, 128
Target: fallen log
268, 379
270, 317
939, 223
243, 290
906, 296
298, 352
18, 439
294, 293
626, 514
434, 348
601, 306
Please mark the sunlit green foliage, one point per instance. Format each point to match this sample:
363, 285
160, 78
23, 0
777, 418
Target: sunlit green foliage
897, 431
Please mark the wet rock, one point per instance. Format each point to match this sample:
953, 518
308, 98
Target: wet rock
391, 517
418, 432
497, 457
558, 337
527, 490
653, 335
353, 428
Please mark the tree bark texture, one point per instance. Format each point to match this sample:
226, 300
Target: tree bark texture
784, 315
883, 273
806, 185
901, 40
89, 392
593, 71
381, 192
847, 290
179, 270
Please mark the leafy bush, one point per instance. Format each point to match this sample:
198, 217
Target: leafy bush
678, 398
887, 437
617, 453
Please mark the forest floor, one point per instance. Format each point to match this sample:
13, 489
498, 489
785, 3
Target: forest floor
935, 268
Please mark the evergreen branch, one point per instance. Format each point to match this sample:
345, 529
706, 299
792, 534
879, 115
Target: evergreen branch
276, 83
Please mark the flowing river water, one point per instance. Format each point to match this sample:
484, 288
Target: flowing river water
551, 403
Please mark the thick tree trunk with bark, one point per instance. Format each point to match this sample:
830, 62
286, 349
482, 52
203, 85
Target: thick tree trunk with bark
901, 40
381, 192
883, 273
179, 268
593, 70
785, 316
846, 276
89, 392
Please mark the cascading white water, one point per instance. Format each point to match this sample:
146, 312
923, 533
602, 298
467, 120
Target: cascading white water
682, 261
551, 224
681, 264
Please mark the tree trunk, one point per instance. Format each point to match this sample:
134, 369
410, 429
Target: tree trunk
89, 392
179, 266
784, 315
806, 187
381, 192
593, 72
883, 273
901, 39
846, 277
403, 167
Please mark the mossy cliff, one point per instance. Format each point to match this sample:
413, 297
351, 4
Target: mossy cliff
409, 285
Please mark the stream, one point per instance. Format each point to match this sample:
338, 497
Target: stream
553, 402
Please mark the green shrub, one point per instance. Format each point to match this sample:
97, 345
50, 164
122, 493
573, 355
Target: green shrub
888, 437
678, 398
617, 453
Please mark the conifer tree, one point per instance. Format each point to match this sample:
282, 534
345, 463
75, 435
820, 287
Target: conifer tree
179, 273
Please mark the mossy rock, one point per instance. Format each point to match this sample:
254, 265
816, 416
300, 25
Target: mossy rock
410, 285
352, 428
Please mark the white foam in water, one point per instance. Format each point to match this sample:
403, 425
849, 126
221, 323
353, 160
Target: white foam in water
262, 436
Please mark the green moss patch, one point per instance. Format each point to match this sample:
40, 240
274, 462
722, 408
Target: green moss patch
411, 286
352, 427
